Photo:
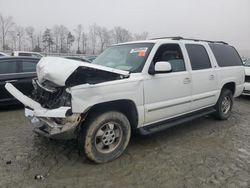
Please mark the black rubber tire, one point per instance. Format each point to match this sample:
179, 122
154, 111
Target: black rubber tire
218, 107
86, 138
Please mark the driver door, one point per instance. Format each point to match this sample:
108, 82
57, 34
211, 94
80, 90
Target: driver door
167, 95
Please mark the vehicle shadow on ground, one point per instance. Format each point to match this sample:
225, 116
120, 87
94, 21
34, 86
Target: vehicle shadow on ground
67, 152
11, 107
243, 97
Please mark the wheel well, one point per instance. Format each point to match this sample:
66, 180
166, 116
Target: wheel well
230, 86
127, 107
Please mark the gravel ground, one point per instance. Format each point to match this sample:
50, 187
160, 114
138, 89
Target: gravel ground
203, 153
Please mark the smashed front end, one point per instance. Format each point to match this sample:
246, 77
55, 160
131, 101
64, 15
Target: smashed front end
49, 109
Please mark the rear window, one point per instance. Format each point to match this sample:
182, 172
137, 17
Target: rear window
198, 57
29, 66
25, 54
226, 55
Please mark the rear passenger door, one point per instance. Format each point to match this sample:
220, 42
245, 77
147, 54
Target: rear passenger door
8, 72
27, 71
204, 79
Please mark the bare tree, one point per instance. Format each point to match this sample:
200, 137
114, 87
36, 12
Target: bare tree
78, 32
84, 42
56, 35
30, 33
13, 36
5, 26
61, 39
104, 37
121, 35
63, 31
141, 36
20, 34
38, 39
92, 37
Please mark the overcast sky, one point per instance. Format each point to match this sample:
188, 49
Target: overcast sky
227, 20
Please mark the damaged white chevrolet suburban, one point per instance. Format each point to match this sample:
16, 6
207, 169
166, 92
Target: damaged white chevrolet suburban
146, 86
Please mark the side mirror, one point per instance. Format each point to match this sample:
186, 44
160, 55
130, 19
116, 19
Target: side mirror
162, 67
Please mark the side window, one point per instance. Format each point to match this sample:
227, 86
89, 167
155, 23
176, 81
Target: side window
225, 55
28, 66
25, 54
198, 57
7, 67
172, 54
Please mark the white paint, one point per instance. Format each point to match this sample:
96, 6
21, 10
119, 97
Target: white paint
58, 69
156, 97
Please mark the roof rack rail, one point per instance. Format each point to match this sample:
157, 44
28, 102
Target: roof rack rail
196, 40
173, 38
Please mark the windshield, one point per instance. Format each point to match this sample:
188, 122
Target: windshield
247, 63
128, 57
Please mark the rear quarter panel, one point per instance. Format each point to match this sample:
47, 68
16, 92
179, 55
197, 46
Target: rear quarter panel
234, 74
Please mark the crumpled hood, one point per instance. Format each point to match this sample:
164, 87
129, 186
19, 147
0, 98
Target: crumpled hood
247, 71
58, 70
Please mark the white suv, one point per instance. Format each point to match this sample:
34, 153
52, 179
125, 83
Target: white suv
247, 78
146, 86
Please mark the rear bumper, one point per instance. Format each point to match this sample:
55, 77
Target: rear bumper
246, 90
57, 123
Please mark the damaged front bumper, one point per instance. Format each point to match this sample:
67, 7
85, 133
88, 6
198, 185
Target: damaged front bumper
246, 90
57, 123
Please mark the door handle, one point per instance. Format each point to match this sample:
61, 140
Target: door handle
211, 77
187, 81
11, 81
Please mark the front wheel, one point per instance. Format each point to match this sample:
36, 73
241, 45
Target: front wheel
105, 136
224, 105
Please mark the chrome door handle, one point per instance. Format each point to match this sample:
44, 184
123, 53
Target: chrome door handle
211, 77
186, 80
11, 81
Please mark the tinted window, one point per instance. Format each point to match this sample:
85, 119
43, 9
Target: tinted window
198, 57
25, 54
7, 67
171, 53
36, 55
225, 55
29, 66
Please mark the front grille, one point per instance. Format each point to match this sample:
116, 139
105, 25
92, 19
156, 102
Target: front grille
51, 100
247, 79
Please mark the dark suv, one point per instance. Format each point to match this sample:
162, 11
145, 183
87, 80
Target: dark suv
19, 71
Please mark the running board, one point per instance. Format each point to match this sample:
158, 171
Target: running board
160, 126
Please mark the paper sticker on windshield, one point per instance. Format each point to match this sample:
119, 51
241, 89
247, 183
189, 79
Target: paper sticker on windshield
138, 50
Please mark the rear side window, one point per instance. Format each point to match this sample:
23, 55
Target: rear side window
7, 67
25, 54
225, 55
198, 57
29, 66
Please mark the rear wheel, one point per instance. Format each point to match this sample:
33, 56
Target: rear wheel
105, 136
224, 105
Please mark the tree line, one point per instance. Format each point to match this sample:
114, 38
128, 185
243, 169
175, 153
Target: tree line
60, 39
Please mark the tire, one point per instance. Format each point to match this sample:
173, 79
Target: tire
224, 105
105, 136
